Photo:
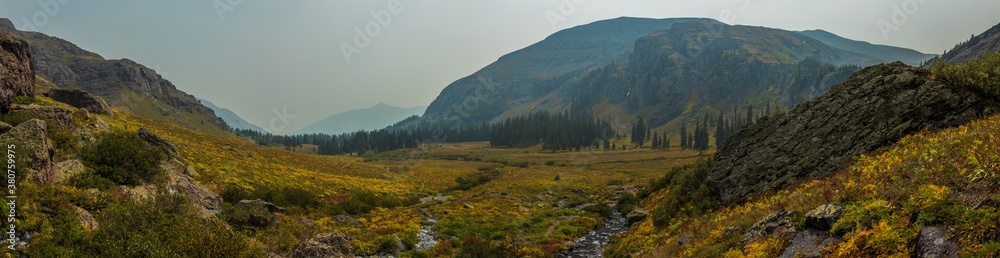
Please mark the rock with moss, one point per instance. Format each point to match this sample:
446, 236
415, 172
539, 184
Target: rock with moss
872, 109
52, 115
781, 223
824, 216
80, 99
68, 169
33, 150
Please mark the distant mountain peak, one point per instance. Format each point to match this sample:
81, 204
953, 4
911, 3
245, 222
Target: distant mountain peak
6, 25
376, 117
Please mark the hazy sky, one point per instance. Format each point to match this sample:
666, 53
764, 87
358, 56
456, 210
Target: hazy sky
255, 56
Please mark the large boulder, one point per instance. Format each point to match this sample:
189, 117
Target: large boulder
17, 75
79, 99
67, 169
52, 115
32, 150
635, 216
875, 107
324, 245
824, 216
808, 243
781, 223
933, 242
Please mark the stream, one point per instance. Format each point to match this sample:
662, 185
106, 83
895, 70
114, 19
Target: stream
592, 244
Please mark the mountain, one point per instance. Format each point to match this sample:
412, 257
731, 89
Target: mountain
888, 53
376, 117
122, 83
987, 42
232, 119
673, 70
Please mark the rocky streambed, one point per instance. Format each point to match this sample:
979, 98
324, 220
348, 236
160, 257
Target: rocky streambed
592, 244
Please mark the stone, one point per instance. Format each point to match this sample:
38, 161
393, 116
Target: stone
67, 169
636, 216
80, 99
17, 74
33, 150
4, 127
52, 115
780, 222
824, 216
86, 219
933, 242
873, 108
808, 243
324, 245
267, 205
157, 141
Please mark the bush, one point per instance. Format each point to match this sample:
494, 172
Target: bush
475, 247
90, 180
166, 225
599, 209
364, 202
123, 158
687, 193
244, 216
980, 73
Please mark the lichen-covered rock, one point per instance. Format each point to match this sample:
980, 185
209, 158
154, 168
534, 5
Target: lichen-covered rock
823, 217
79, 99
67, 169
324, 245
635, 216
33, 151
266, 205
17, 75
873, 108
86, 219
781, 222
4, 127
808, 243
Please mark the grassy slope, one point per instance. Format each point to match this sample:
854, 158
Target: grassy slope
925, 179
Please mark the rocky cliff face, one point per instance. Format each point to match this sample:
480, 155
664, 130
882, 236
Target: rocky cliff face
17, 77
873, 108
122, 83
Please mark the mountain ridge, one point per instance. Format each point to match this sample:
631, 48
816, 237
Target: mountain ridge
378, 116
232, 119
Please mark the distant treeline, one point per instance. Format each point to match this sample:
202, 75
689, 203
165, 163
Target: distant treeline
563, 131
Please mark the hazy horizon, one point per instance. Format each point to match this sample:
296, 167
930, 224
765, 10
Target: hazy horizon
258, 57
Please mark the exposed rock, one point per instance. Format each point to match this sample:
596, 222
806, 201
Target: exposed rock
934, 242
34, 151
873, 108
79, 99
4, 127
780, 222
808, 243
267, 205
324, 245
635, 216
157, 141
823, 217
52, 115
987, 42
86, 218
17, 75
67, 169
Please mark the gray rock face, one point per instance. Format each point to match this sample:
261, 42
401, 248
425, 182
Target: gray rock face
780, 222
33, 150
873, 108
80, 99
324, 245
934, 242
157, 141
17, 75
823, 217
4, 127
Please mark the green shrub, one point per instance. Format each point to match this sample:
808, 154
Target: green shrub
687, 193
475, 247
862, 216
123, 158
15, 119
244, 216
90, 180
599, 209
165, 225
981, 74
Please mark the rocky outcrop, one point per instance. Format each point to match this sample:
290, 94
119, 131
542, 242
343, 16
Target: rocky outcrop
33, 150
179, 179
324, 245
155, 140
815, 237
873, 108
4, 127
987, 42
79, 99
87, 219
17, 75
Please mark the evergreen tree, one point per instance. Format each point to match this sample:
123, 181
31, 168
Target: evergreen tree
683, 136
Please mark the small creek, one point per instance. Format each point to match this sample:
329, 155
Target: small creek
592, 244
